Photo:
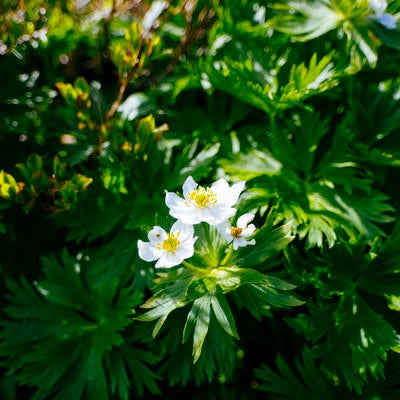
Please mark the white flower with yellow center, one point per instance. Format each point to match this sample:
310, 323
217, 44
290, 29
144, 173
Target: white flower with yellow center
212, 204
238, 234
169, 249
389, 21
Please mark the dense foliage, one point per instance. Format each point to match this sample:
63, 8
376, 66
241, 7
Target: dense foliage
110, 110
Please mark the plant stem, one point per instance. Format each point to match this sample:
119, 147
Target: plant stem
193, 268
228, 255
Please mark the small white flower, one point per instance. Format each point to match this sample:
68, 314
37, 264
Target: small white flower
169, 249
389, 21
238, 233
212, 204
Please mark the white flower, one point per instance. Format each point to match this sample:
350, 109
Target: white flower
389, 21
169, 249
378, 6
212, 204
238, 233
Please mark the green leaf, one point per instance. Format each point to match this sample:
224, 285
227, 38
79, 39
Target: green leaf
63, 330
238, 80
345, 317
223, 314
8, 185
302, 380
83, 221
164, 301
306, 20
250, 165
382, 276
257, 292
201, 313
268, 243
389, 37
304, 81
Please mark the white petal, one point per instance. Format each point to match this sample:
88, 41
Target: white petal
225, 230
230, 196
378, 6
251, 242
218, 214
157, 234
238, 243
168, 260
190, 216
388, 21
181, 209
147, 251
173, 201
248, 231
244, 220
235, 191
185, 250
220, 187
185, 230
188, 186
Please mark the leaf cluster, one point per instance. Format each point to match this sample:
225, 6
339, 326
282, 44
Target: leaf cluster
107, 105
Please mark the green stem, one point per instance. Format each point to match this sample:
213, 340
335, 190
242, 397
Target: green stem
228, 255
192, 267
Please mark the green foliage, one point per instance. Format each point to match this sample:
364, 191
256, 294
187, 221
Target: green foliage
310, 182
307, 20
346, 316
77, 346
306, 382
206, 289
107, 105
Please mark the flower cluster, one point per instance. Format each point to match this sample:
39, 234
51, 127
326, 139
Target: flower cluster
212, 205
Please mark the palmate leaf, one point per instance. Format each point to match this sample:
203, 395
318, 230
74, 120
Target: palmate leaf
199, 164
303, 381
115, 259
83, 222
240, 80
206, 289
306, 81
269, 242
251, 165
349, 330
320, 192
307, 20
198, 318
382, 277
218, 358
223, 314
376, 117
361, 213
257, 292
58, 334
202, 292
353, 340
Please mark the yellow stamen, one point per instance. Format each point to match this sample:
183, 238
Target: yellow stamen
171, 243
203, 197
236, 232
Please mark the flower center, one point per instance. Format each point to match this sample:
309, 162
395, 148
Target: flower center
236, 232
171, 243
203, 197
